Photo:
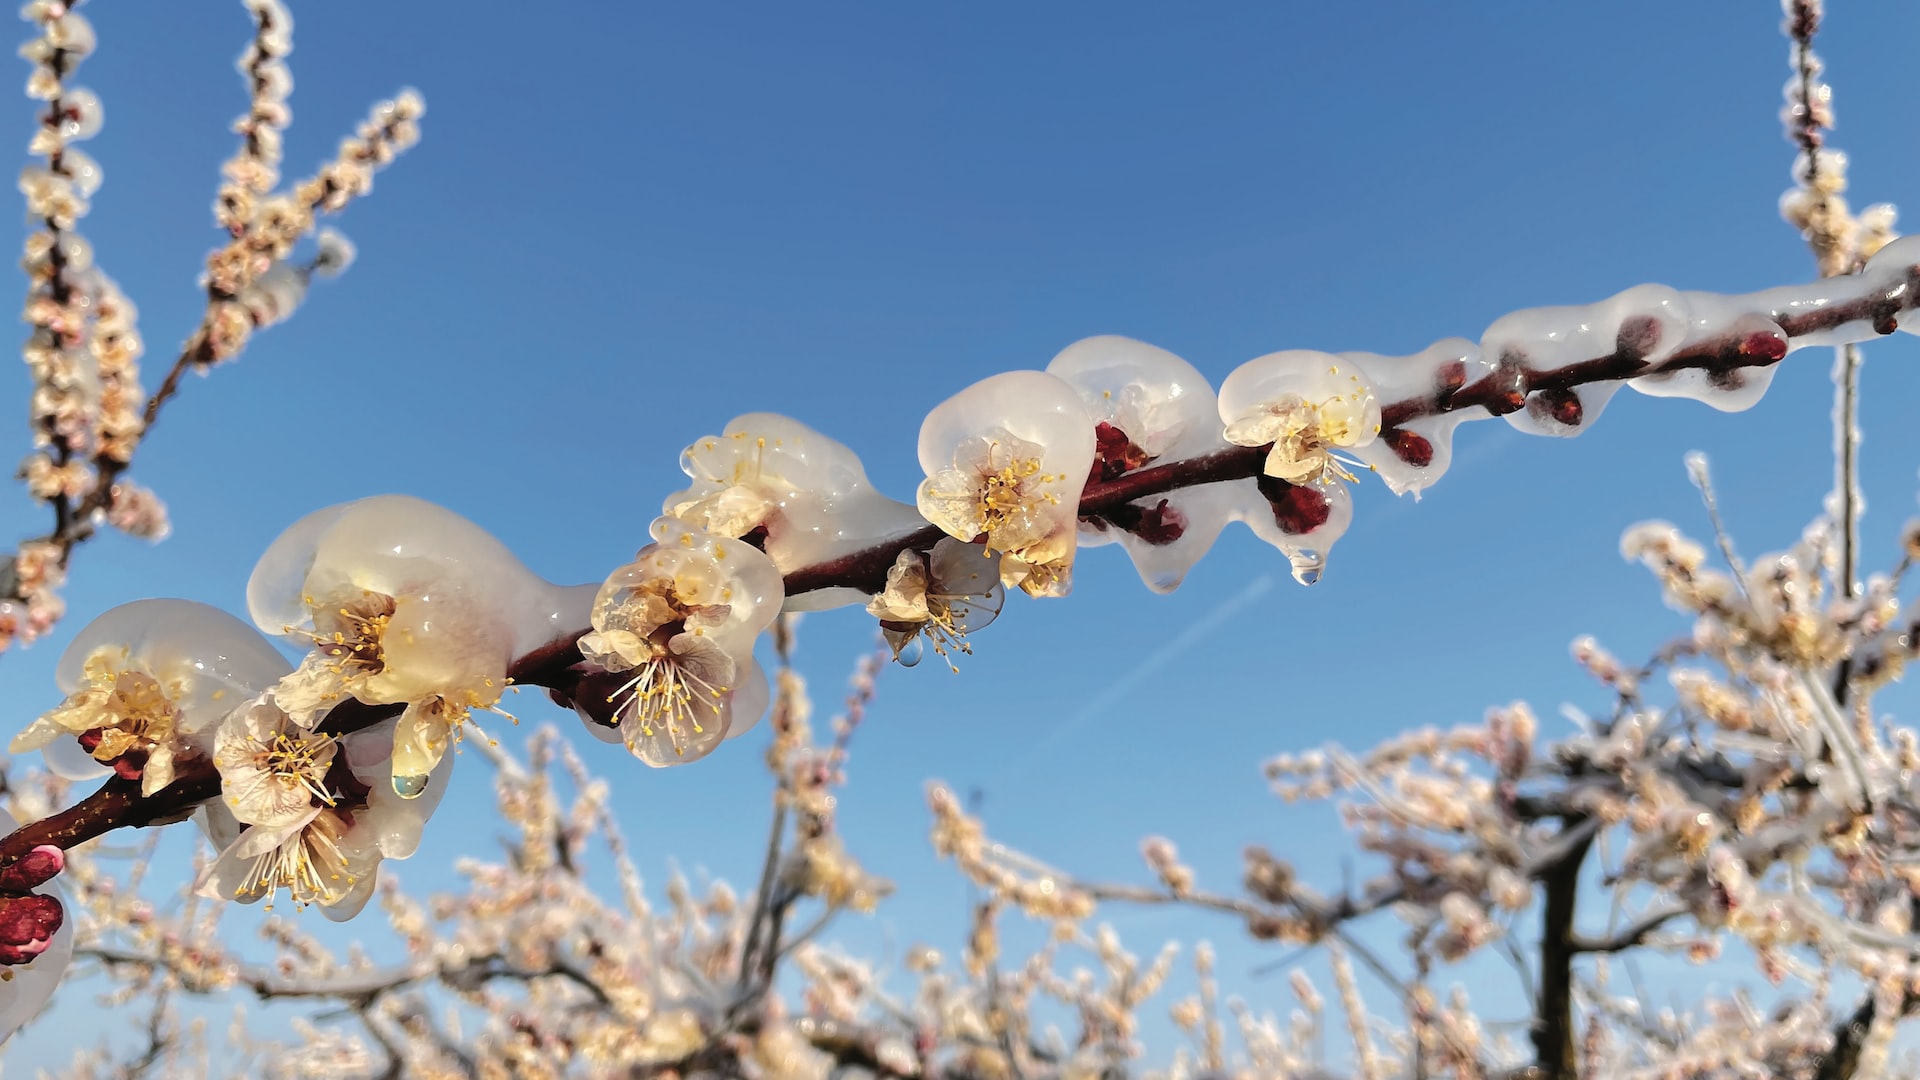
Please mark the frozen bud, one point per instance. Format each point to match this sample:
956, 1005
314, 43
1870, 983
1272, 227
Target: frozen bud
1149, 406
335, 253
36, 942
1641, 327
146, 683
1749, 344
1006, 460
273, 296
939, 598
401, 602
1155, 403
802, 497
78, 115
1910, 540
1414, 454
673, 635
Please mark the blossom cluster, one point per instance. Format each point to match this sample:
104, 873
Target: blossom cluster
83, 346
88, 410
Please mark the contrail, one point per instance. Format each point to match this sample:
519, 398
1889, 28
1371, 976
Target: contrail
1123, 686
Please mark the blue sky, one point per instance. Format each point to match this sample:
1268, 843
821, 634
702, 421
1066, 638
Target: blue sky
629, 223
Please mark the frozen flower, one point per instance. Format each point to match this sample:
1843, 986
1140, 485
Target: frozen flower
798, 495
308, 814
1149, 402
145, 684
1006, 460
272, 771
672, 639
400, 602
1305, 406
940, 596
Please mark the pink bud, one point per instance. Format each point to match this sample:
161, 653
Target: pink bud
35, 868
27, 926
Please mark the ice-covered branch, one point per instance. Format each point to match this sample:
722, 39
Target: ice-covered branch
1548, 369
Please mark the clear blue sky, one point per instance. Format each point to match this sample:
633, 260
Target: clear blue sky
627, 223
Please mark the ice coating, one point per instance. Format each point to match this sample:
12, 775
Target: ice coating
68, 760
750, 583
396, 823
1006, 461
1162, 403
750, 699
1303, 521
563, 610
809, 493
1642, 325
1728, 387
1307, 408
200, 661
1895, 266
217, 660
29, 986
1411, 456
1306, 404
463, 604
1148, 405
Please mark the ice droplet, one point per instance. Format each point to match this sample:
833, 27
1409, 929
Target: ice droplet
1307, 565
911, 652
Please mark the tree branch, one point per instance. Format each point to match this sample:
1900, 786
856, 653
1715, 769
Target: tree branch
1556, 1052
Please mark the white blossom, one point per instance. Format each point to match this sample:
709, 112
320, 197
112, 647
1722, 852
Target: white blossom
1006, 460
674, 631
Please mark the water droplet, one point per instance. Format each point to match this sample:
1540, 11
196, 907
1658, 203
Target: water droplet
911, 652
1307, 565
412, 787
